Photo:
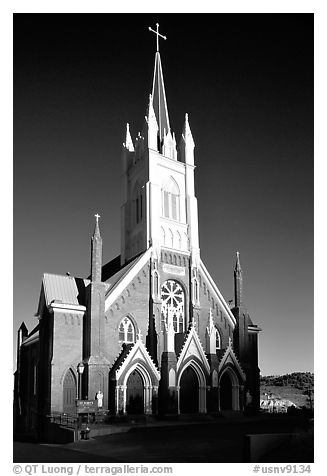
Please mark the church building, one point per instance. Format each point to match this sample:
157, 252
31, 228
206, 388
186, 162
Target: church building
149, 331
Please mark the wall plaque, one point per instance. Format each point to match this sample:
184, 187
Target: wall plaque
173, 269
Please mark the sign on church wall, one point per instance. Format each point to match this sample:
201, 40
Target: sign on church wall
173, 269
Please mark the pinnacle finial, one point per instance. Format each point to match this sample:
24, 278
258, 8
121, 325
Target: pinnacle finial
97, 216
128, 144
238, 264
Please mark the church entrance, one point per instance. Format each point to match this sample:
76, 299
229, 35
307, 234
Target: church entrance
189, 392
69, 394
135, 394
226, 392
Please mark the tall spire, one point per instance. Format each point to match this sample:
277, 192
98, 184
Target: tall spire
96, 252
158, 92
238, 281
159, 98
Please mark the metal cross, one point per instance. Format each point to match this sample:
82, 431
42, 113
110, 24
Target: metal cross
158, 34
97, 216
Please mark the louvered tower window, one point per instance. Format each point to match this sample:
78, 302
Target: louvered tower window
171, 200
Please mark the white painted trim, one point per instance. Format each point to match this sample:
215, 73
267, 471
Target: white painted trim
254, 329
129, 276
61, 307
230, 352
147, 359
193, 336
219, 296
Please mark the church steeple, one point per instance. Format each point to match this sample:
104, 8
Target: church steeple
160, 206
158, 91
238, 281
159, 99
96, 252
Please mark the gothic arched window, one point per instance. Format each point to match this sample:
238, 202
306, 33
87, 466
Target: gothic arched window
173, 305
195, 290
138, 205
126, 331
218, 339
171, 200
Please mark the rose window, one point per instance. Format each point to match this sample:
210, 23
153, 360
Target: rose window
172, 309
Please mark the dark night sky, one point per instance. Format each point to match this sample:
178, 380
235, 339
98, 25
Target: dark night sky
246, 81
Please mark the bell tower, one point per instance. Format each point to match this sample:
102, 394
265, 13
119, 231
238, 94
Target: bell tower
160, 207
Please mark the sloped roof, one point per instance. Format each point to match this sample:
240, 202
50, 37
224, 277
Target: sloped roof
228, 313
32, 338
68, 289
118, 282
63, 289
112, 280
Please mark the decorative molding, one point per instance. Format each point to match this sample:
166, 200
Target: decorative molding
193, 347
61, 307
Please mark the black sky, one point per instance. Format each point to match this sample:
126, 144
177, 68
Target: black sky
246, 81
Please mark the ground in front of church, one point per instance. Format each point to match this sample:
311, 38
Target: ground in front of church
217, 441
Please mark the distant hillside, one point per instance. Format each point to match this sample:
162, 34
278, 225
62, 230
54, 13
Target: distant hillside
299, 380
298, 387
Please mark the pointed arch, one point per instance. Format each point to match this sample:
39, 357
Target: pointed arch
178, 240
137, 203
69, 392
127, 330
163, 236
171, 185
170, 194
195, 286
202, 385
171, 238
229, 390
218, 338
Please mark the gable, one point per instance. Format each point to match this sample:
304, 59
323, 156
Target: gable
229, 358
139, 353
192, 348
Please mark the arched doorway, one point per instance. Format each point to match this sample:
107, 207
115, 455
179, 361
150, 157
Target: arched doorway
226, 392
69, 393
189, 392
135, 394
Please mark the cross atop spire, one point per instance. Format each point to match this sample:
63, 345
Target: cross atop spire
97, 216
156, 32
